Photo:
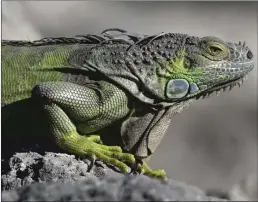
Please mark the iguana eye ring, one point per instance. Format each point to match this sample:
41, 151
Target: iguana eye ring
216, 50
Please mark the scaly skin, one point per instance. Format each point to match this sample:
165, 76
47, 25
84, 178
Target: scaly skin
94, 84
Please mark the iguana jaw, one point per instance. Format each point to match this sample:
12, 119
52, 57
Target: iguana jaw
224, 86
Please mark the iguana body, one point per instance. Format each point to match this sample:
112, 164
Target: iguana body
130, 86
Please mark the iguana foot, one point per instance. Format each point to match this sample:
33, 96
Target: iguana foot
144, 169
92, 148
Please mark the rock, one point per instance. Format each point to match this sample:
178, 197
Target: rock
218, 193
30, 176
26, 168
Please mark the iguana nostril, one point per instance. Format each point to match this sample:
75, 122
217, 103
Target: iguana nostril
249, 55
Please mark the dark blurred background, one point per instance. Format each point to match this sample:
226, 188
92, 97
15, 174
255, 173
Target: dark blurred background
213, 144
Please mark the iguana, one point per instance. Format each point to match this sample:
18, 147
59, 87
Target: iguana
111, 96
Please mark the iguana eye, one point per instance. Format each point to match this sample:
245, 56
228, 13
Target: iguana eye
214, 50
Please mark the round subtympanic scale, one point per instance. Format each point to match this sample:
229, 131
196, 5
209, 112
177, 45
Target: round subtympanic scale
177, 88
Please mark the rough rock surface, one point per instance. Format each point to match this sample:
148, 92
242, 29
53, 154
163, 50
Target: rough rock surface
26, 168
62, 177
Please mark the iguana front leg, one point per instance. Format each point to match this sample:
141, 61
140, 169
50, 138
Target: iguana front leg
70, 108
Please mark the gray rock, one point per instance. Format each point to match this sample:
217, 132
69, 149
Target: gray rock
26, 168
61, 177
119, 188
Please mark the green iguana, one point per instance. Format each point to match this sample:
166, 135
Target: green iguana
111, 96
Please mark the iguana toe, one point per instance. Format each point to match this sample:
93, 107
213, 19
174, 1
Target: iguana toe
95, 138
144, 169
87, 146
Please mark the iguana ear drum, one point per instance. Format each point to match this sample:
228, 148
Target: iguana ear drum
177, 88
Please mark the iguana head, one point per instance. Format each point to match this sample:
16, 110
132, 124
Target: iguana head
169, 67
205, 65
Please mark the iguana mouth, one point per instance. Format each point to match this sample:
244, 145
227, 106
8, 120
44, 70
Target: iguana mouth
222, 87
227, 85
